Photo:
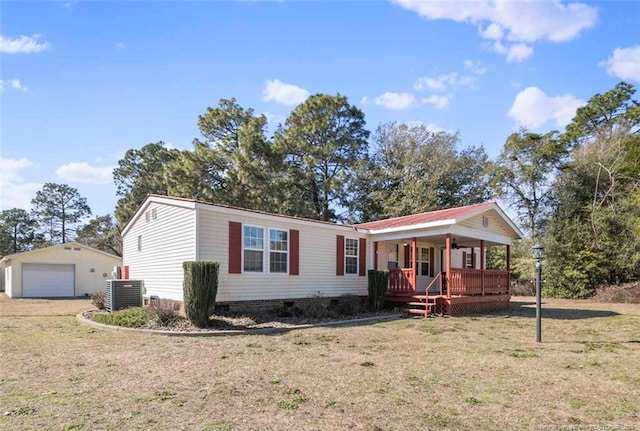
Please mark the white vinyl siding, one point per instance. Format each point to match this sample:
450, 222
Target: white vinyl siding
317, 258
166, 242
496, 224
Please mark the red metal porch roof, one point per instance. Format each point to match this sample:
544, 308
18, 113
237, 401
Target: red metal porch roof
427, 217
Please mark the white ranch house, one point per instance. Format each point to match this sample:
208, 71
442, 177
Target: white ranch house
270, 258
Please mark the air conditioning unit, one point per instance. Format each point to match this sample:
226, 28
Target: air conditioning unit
121, 294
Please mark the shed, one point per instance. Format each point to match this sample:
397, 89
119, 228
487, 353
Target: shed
64, 270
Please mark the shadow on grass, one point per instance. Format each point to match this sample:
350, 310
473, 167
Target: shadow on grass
528, 309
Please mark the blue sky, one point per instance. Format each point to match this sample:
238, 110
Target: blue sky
83, 81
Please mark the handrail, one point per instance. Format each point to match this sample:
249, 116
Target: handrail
436, 278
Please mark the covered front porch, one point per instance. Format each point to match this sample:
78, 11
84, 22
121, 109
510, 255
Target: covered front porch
443, 275
437, 261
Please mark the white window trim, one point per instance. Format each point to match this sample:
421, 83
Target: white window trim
469, 262
268, 253
263, 228
357, 256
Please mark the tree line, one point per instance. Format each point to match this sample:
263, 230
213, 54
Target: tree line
58, 215
576, 191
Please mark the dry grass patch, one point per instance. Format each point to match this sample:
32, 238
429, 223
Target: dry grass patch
443, 373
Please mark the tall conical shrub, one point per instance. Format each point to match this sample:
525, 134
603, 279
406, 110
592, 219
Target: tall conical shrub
378, 282
199, 289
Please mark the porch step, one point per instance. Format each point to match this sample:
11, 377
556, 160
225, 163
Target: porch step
422, 312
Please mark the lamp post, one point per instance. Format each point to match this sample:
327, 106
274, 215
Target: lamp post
538, 255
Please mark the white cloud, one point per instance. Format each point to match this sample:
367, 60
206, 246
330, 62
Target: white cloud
519, 52
512, 22
14, 84
624, 63
14, 193
365, 101
475, 67
287, 94
82, 172
493, 31
120, 45
532, 108
436, 83
396, 101
429, 126
23, 44
453, 80
11, 167
439, 102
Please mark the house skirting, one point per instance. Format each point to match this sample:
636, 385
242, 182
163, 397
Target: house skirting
266, 304
463, 305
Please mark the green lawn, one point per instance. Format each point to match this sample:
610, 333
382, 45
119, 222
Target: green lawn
474, 373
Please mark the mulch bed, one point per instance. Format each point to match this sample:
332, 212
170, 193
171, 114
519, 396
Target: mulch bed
247, 321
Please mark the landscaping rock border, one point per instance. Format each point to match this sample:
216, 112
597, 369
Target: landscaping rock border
225, 332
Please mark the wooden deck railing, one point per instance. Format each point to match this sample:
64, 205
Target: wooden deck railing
465, 281
400, 281
437, 279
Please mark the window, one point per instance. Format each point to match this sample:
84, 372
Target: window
469, 262
154, 213
485, 221
424, 261
351, 256
278, 250
139, 242
253, 249
147, 215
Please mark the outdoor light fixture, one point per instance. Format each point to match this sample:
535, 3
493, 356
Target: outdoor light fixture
538, 255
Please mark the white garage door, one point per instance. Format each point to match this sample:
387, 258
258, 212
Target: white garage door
47, 280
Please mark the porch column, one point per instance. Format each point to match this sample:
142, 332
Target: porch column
508, 258
447, 243
482, 265
414, 263
375, 255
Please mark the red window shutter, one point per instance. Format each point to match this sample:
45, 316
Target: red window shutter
339, 255
362, 257
407, 261
235, 247
294, 254
432, 263
464, 259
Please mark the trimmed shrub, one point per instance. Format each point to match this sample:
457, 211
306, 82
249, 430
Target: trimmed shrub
200, 288
133, 317
378, 282
317, 308
164, 312
98, 300
347, 305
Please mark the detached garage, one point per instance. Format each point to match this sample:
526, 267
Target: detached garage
64, 270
